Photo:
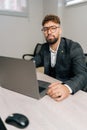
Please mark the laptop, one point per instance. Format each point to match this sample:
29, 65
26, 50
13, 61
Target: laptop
20, 76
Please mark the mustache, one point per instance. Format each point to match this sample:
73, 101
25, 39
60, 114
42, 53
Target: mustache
50, 36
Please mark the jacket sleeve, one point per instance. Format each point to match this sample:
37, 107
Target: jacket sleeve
79, 69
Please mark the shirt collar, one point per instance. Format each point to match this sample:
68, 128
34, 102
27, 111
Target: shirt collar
51, 50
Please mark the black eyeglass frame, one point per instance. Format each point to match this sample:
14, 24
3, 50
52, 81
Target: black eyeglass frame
51, 28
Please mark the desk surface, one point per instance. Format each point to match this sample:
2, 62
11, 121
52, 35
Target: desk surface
46, 114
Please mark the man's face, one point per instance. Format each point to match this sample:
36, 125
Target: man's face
52, 32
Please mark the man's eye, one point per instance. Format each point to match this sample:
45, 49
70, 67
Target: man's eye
45, 29
53, 28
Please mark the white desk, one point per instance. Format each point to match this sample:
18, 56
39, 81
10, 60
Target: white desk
46, 114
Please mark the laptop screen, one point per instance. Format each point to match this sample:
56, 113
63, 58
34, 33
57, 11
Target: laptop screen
20, 76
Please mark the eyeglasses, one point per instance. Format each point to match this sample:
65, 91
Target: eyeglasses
51, 28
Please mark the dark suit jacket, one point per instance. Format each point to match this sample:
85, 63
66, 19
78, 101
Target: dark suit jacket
70, 64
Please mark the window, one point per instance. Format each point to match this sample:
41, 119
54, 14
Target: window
14, 7
73, 2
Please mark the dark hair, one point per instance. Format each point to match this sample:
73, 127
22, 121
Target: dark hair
52, 18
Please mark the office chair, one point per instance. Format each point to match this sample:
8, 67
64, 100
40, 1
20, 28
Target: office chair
86, 58
36, 51
2, 126
85, 88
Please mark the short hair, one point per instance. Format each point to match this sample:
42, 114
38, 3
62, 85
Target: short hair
52, 18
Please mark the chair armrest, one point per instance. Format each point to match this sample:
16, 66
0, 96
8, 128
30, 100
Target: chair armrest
27, 56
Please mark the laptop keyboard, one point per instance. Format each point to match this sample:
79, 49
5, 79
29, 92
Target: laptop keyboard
41, 89
43, 85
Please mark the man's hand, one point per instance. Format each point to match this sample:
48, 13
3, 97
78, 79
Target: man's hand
58, 91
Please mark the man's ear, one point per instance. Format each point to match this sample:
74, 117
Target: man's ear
60, 31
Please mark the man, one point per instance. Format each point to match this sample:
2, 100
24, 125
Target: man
62, 59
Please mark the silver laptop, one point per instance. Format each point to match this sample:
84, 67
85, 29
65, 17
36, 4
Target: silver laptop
20, 76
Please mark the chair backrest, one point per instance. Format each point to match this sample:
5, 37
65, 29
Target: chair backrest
36, 51
37, 48
86, 58
2, 126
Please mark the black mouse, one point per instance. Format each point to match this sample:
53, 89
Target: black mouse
18, 120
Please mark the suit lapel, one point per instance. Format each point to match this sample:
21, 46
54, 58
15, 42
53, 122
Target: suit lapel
47, 58
60, 52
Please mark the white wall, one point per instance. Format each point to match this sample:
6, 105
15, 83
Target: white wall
50, 7
19, 35
74, 20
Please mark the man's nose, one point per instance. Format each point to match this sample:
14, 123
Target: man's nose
49, 31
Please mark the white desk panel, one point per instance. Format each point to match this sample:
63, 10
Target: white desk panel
46, 114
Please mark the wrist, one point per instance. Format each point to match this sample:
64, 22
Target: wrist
70, 90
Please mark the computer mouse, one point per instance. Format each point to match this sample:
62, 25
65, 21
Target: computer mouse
17, 120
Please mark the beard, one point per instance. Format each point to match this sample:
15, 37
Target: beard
51, 41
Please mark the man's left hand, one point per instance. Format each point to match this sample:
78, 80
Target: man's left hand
58, 91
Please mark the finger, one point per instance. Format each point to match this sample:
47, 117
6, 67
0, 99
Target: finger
53, 84
55, 95
60, 98
52, 91
53, 88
